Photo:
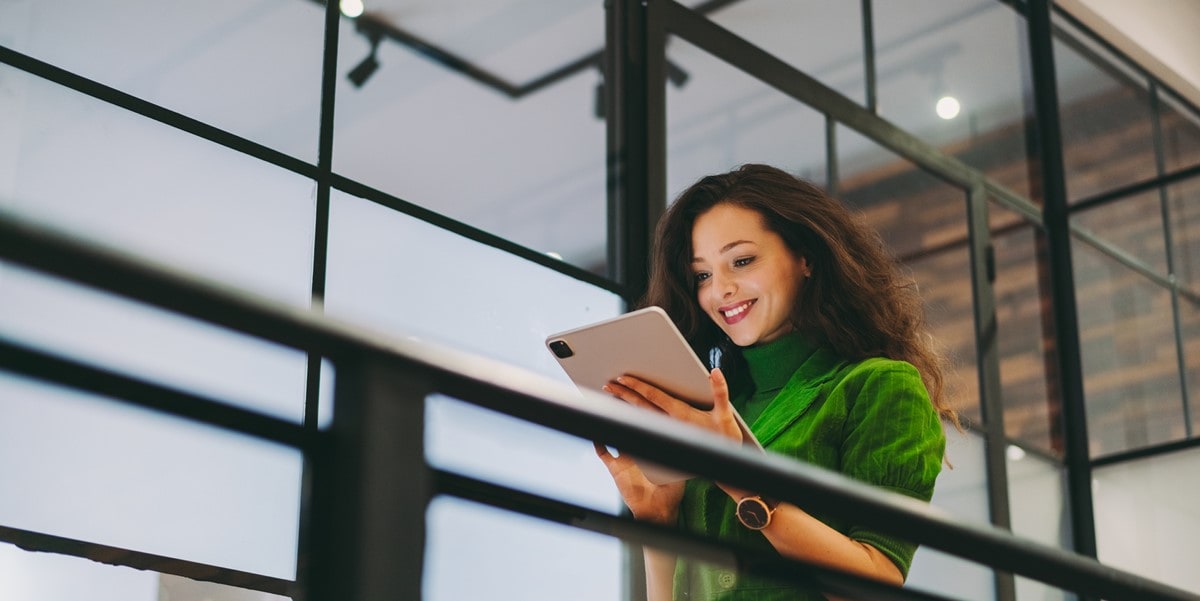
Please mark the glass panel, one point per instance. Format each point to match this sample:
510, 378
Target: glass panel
512, 41
1025, 333
1037, 502
121, 476
1189, 327
388, 271
1134, 225
721, 118
1183, 210
953, 74
513, 556
529, 166
1130, 368
250, 68
102, 173
923, 221
961, 491
787, 29
152, 344
1105, 116
1181, 132
32, 576
1160, 542
29, 576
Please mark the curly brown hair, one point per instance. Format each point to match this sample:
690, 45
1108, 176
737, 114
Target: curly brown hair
858, 300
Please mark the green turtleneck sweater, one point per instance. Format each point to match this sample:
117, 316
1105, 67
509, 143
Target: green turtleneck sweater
870, 420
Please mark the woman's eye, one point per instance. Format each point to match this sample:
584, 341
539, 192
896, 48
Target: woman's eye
742, 262
701, 276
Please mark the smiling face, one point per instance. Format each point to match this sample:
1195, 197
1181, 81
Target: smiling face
746, 277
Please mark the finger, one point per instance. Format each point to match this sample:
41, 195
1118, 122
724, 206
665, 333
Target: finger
654, 395
720, 391
630, 396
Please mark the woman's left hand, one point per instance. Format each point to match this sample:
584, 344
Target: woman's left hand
720, 419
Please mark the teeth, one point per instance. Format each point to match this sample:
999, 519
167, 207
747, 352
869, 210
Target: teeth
737, 310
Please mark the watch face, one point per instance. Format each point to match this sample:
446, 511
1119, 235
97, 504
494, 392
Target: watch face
753, 513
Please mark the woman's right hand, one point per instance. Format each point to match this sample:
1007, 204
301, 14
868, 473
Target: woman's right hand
646, 500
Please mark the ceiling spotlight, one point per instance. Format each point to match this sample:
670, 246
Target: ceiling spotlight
947, 107
365, 69
351, 8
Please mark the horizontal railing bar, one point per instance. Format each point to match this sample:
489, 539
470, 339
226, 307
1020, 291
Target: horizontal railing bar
26, 361
673, 540
49, 543
500, 386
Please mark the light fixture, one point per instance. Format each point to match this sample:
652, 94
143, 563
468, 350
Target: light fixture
947, 107
351, 8
365, 69
1015, 453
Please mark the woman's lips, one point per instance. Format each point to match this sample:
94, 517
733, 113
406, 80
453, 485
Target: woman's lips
735, 313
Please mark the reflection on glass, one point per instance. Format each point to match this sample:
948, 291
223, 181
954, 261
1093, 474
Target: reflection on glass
1025, 333
478, 552
250, 68
721, 118
1183, 210
787, 28
962, 491
933, 55
113, 474
1133, 225
1105, 117
527, 166
1131, 375
1038, 511
1160, 543
923, 221
1180, 131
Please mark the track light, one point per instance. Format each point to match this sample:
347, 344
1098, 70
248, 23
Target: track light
365, 69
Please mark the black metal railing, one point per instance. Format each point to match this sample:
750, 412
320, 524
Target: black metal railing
364, 516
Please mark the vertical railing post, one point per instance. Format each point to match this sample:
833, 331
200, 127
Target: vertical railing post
370, 487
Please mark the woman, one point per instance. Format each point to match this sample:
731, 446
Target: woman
817, 340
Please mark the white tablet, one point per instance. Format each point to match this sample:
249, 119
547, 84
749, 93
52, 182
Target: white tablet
644, 344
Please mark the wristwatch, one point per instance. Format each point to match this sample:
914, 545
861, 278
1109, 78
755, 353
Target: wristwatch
755, 512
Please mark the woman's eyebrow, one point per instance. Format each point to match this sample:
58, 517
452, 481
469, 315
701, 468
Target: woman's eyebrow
725, 249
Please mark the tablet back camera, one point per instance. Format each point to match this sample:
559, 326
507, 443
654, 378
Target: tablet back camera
561, 349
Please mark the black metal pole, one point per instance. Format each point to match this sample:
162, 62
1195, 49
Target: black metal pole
631, 127
370, 486
1062, 283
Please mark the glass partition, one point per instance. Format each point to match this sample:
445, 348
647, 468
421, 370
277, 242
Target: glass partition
787, 29
1180, 132
525, 163
1025, 332
1037, 502
1146, 520
932, 84
1132, 225
117, 475
720, 118
250, 68
1130, 362
1105, 116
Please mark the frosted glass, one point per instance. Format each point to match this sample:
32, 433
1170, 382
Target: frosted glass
107, 175
583, 565
109, 331
393, 273
961, 491
1147, 520
251, 68
1037, 508
121, 476
28, 576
